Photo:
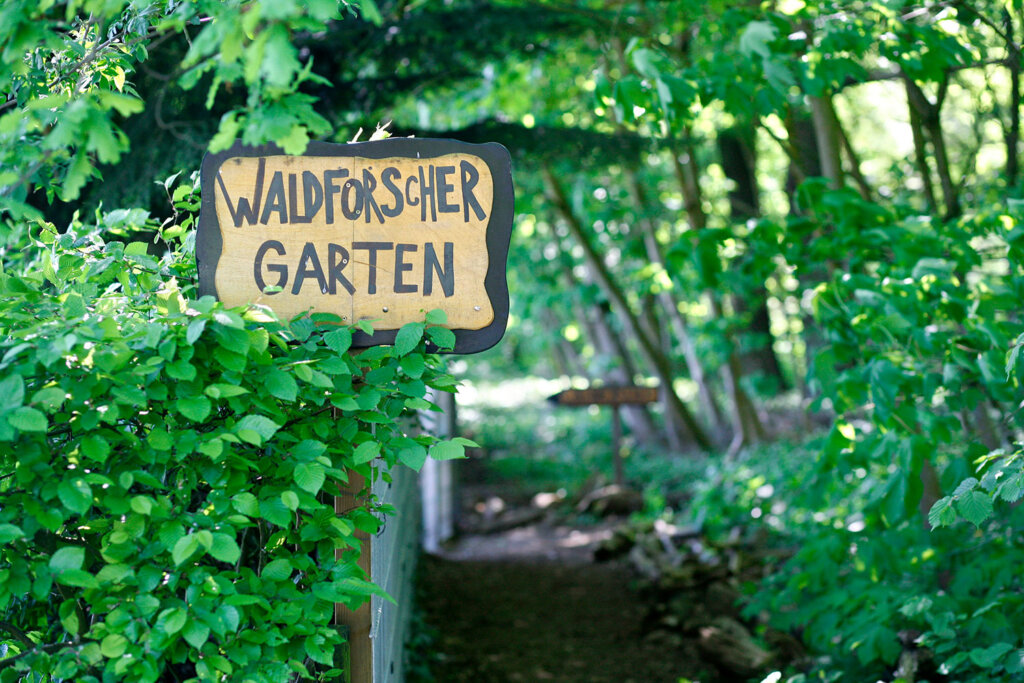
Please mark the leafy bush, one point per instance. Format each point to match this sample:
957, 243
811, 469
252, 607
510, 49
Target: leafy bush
167, 467
917, 323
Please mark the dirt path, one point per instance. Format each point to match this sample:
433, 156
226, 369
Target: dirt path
530, 605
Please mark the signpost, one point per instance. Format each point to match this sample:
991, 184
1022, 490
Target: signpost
380, 231
614, 396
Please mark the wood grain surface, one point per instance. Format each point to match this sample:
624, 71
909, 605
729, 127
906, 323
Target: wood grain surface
392, 221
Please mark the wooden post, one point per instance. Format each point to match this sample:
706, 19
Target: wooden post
360, 647
620, 480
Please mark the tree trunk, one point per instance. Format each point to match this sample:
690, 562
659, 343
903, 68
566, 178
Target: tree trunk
637, 418
739, 161
565, 353
863, 187
826, 135
746, 422
804, 159
648, 347
1013, 132
929, 118
921, 156
656, 331
679, 326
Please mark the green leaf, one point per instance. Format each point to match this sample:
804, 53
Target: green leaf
290, 500
68, 557
442, 337
195, 408
181, 370
274, 511
246, 503
77, 578
195, 633
966, 485
437, 317
338, 591
277, 570
975, 506
171, 621
755, 39
413, 456
256, 429
50, 398
340, 340
224, 548
75, 494
224, 391
1012, 489
160, 439
365, 452
282, 385
447, 450
314, 648
184, 548
28, 419
69, 616
413, 365
113, 645
369, 10
942, 513
195, 329
12, 392
310, 476
308, 449
408, 337
987, 658
143, 505
9, 532
95, 447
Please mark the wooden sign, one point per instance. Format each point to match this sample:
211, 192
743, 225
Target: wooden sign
613, 396
381, 231
606, 396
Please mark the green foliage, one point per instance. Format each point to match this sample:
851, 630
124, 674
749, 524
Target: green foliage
169, 466
67, 80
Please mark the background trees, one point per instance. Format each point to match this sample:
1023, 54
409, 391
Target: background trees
793, 203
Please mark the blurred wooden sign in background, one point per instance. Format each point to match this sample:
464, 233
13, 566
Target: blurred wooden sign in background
381, 231
606, 396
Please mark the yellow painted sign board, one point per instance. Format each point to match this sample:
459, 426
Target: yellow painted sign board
381, 231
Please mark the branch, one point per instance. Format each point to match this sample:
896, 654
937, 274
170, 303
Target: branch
17, 633
37, 650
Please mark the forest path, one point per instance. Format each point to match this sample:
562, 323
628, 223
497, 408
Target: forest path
530, 604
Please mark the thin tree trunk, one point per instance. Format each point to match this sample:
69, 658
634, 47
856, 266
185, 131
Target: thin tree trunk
746, 422
565, 352
803, 153
950, 190
930, 119
679, 327
826, 134
863, 187
921, 155
931, 491
739, 162
654, 329
648, 347
637, 418
1013, 132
